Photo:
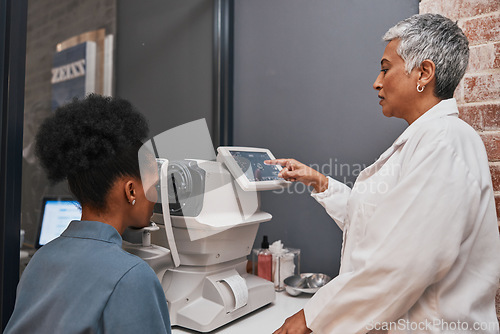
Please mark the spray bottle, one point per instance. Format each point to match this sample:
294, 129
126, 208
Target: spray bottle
265, 261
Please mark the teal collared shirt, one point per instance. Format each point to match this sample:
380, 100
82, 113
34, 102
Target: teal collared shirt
83, 282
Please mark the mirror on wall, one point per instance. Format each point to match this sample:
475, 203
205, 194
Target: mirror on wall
169, 58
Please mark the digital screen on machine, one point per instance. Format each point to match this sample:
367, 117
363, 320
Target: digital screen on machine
252, 165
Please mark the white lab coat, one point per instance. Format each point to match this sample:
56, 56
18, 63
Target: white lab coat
421, 251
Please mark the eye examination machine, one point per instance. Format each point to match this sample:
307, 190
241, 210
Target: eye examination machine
205, 221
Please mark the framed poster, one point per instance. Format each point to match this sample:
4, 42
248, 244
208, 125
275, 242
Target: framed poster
73, 73
82, 64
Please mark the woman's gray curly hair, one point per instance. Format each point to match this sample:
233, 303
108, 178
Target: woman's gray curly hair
437, 38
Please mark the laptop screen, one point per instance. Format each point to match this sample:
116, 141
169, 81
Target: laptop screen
55, 217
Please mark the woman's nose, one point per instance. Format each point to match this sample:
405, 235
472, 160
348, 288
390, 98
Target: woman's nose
377, 85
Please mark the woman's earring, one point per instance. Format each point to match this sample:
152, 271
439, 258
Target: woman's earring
420, 89
133, 202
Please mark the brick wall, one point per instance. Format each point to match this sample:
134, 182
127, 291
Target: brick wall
478, 95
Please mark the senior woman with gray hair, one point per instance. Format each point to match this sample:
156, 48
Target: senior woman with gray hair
421, 245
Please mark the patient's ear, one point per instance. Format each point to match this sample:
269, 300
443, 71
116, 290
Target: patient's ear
130, 190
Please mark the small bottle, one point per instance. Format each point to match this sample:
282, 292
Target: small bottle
265, 261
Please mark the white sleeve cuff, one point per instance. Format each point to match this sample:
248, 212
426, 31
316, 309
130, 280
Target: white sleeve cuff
334, 200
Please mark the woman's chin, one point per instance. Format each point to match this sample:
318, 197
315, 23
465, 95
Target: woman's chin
386, 112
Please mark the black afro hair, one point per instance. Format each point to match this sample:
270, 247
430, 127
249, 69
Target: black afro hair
90, 142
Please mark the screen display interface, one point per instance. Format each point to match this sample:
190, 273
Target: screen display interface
252, 165
56, 217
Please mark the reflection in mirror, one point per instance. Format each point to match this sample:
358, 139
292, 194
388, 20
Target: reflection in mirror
68, 46
169, 58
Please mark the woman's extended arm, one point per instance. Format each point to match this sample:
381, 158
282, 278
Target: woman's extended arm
331, 194
294, 170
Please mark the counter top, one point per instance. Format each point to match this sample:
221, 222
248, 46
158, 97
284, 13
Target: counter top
264, 320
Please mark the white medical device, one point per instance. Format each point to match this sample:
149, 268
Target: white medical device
206, 221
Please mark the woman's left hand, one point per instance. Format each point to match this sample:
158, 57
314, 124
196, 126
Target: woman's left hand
296, 324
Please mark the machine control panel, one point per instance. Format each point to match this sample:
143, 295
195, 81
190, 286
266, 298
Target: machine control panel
247, 166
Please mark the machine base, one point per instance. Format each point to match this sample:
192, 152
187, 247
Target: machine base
199, 298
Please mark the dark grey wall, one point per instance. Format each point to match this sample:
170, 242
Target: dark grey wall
303, 88
164, 60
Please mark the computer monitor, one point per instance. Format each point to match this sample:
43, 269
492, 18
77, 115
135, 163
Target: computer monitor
55, 217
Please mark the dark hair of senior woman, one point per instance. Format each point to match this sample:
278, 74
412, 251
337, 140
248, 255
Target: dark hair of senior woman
83, 282
421, 245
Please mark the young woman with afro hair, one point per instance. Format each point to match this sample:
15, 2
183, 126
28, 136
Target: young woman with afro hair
83, 282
